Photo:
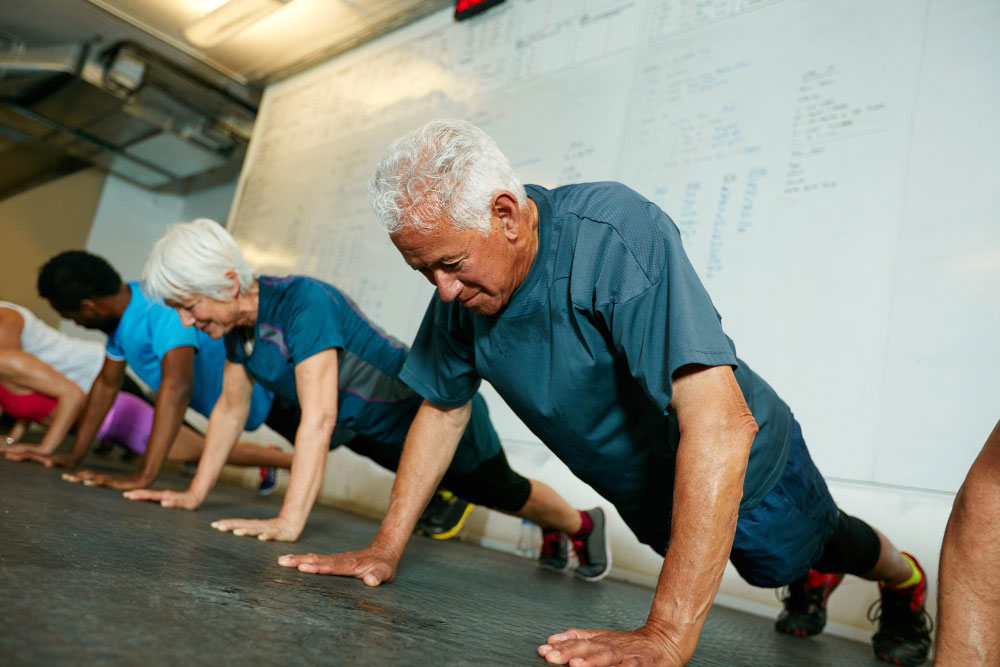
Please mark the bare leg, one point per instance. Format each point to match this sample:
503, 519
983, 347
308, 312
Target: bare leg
252, 454
891, 567
548, 509
189, 443
969, 587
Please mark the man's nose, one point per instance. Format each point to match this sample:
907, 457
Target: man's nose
449, 287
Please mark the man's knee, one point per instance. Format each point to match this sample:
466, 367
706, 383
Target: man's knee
854, 548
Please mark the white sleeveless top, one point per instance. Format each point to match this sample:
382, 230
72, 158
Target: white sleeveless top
79, 360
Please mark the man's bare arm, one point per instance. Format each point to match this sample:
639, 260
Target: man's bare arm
716, 429
176, 385
969, 587
429, 449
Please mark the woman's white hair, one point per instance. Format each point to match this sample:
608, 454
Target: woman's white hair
191, 259
445, 169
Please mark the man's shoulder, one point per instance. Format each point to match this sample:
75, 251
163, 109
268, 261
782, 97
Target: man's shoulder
620, 240
599, 201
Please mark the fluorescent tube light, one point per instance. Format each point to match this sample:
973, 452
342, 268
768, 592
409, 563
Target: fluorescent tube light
229, 20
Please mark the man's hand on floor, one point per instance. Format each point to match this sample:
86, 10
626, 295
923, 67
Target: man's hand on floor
598, 648
372, 565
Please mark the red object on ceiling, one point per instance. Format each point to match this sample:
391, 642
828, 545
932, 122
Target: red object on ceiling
466, 8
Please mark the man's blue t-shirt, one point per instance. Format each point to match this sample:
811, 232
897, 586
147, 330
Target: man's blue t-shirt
585, 352
148, 330
298, 317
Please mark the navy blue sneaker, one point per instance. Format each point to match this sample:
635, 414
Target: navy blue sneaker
268, 480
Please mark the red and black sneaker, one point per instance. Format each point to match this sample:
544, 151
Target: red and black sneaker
904, 628
555, 550
804, 614
591, 547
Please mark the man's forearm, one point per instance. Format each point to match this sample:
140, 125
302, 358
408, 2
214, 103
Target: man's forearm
171, 403
969, 587
429, 449
707, 491
99, 401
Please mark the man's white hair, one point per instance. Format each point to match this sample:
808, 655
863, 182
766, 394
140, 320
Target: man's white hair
447, 169
191, 259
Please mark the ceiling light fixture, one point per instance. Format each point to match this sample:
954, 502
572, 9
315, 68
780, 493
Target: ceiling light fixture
229, 20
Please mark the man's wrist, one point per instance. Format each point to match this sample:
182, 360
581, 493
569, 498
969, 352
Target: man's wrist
682, 635
387, 546
145, 478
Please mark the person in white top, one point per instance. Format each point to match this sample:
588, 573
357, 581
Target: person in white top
79, 360
34, 357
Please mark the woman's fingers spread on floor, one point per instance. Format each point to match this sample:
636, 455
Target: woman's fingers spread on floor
277, 529
145, 494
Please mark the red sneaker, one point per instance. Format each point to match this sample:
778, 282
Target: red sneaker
904, 628
805, 604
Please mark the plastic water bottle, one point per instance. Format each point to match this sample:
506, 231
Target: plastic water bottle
529, 540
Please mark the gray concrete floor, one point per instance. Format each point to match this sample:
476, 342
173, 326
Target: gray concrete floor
87, 577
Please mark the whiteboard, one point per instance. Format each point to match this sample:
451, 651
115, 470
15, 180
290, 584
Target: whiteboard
831, 168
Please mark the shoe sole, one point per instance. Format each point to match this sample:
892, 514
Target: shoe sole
454, 530
904, 662
797, 632
607, 550
553, 568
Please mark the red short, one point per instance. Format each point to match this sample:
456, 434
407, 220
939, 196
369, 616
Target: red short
31, 406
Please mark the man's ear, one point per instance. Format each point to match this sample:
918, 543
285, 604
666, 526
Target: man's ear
234, 282
505, 208
89, 308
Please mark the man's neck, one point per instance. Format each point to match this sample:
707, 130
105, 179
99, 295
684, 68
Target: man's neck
531, 242
117, 303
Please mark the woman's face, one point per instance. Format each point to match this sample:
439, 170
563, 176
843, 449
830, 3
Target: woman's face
212, 316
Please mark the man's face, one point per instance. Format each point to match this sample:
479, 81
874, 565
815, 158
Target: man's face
212, 316
90, 317
476, 270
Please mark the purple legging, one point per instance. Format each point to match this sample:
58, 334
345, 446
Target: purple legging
129, 422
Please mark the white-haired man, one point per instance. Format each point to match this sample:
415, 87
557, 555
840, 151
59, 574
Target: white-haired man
580, 307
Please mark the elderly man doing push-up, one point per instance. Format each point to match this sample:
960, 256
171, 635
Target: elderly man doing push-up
579, 305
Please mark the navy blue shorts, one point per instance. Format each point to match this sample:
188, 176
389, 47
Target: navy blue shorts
780, 539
